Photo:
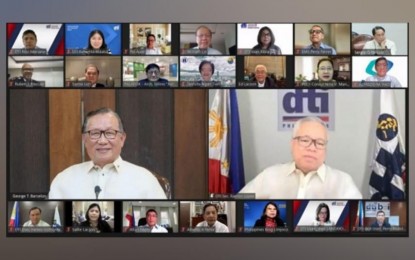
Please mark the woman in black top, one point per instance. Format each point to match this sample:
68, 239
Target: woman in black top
266, 46
270, 217
94, 219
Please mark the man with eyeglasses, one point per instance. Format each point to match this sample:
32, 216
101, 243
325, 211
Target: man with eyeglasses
307, 176
26, 79
151, 48
153, 77
317, 47
107, 175
261, 77
204, 39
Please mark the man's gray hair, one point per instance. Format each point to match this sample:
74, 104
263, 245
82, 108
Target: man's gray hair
307, 119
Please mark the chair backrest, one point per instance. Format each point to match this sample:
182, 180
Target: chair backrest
142, 221
164, 183
359, 41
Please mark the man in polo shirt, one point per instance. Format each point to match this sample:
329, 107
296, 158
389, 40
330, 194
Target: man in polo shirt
307, 176
35, 215
107, 175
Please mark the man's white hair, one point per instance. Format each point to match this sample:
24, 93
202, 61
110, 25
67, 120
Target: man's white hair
307, 119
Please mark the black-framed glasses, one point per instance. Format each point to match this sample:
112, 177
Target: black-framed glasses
306, 141
315, 31
96, 134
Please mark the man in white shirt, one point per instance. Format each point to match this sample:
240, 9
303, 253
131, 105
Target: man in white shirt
106, 176
211, 223
307, 177
151, 225
379, 45
204, 39
261, 78
381, 67
151, 49
35, 215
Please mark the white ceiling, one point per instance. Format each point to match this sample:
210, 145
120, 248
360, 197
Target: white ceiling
16, 62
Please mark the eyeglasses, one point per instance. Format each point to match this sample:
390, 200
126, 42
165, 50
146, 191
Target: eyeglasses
96, 134
306, 141
266, 34
326, 68
155, 71
315, 31
203, 35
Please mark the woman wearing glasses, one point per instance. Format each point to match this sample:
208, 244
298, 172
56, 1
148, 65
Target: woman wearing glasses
322, 216
266, 46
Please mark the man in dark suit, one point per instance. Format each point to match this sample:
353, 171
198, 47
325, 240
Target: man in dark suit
261, 78
153, 77
380, 221
92, 75
26, 79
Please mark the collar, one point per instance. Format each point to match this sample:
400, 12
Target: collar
321, 171
115, 165
321, 46
379, 78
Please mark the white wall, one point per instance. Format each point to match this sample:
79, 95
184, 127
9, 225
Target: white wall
351, 144
396, 32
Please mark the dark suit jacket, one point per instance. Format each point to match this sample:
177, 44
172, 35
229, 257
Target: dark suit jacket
385, 225
269, 83
147, 83
99, 85
23, 82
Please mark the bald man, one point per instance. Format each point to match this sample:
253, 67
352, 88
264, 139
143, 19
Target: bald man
26, 79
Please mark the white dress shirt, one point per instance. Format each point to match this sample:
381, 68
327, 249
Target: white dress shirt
373, 45
40, 224
153, 51
211, 51
157, 229
219, 227
394, 81
284, 181
118, 180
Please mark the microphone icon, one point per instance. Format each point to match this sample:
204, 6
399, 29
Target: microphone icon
97, 191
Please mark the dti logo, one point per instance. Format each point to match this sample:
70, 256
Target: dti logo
315, 102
